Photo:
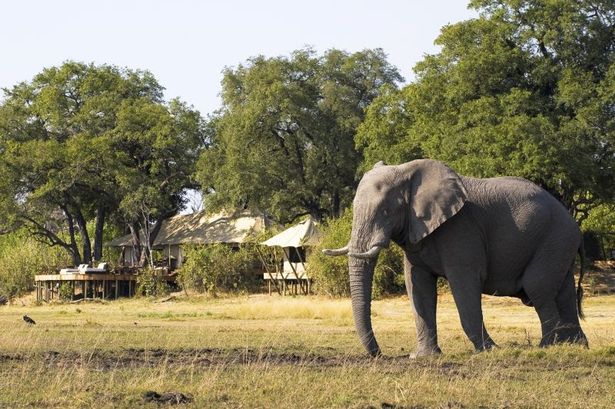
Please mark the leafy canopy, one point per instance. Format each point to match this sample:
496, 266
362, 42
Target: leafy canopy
82, 142
526, 89
284, 138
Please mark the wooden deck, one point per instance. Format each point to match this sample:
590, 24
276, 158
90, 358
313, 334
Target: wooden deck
87, 286
292, 282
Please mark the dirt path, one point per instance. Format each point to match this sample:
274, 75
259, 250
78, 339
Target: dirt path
134, 358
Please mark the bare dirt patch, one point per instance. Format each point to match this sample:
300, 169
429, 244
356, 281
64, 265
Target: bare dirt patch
167, 398
200, 357
210, 357
132, 358
9, 357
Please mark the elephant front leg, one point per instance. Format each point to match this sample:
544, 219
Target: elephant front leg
466, 289
421, 286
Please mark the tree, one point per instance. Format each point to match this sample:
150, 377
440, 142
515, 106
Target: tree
69, 151
283, 140
157, 147
526, 89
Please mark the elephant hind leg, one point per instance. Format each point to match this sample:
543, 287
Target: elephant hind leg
549, 321
541, 293
570, 328
557, 311
547, 281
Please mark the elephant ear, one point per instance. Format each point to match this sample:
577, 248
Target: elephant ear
436, 194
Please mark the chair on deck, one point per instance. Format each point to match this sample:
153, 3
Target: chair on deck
73, 270
85, 269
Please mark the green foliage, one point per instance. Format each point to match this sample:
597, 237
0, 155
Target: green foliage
82, 142
149, 283
600, 224
389, 272
21, 258
158, 146
219, 267
65, 291
601, 219
330, 274
283, 140
526, 90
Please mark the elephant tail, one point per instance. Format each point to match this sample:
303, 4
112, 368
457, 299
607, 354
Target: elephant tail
581, 273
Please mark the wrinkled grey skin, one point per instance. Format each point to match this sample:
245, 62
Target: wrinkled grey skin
500, 236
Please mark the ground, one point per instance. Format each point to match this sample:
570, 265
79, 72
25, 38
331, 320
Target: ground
600, 279
270, 351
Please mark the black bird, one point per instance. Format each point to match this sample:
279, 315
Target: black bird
28, 320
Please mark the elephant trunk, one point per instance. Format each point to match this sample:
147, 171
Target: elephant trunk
361, 275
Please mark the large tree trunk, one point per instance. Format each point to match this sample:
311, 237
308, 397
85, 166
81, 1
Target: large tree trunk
85, 237
73, 249
361, 275
98, 233
336, 210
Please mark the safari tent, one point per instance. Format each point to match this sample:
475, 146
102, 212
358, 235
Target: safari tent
295, 243
195, 229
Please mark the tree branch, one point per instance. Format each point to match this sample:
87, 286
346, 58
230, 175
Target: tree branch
38, 230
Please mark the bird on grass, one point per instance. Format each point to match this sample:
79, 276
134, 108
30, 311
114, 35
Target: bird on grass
28, 320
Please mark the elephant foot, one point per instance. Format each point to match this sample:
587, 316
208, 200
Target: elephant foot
581, 340
547, 341
565, 334
426, 351
488, 345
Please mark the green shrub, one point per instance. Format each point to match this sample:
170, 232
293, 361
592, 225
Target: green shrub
330, 274
65, 291
149, 284
217, 267
21, 258
389, 273
599, 227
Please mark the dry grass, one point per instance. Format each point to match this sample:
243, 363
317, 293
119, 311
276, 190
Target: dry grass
262, 351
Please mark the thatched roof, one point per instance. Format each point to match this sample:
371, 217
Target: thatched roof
200, 228
303, 234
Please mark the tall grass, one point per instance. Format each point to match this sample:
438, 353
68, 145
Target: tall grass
21, 258
270, 351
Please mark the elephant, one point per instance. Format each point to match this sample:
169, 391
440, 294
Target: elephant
502, 236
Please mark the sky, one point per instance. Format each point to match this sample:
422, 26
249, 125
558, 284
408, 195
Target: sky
186, 44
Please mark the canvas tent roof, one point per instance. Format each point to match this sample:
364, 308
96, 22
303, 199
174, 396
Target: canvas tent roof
202, 229
303, 234
122, 241
199, 228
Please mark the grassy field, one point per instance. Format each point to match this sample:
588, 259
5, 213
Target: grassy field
269, 351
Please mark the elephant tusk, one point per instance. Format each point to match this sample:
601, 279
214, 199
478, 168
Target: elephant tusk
336, 252
371, 253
